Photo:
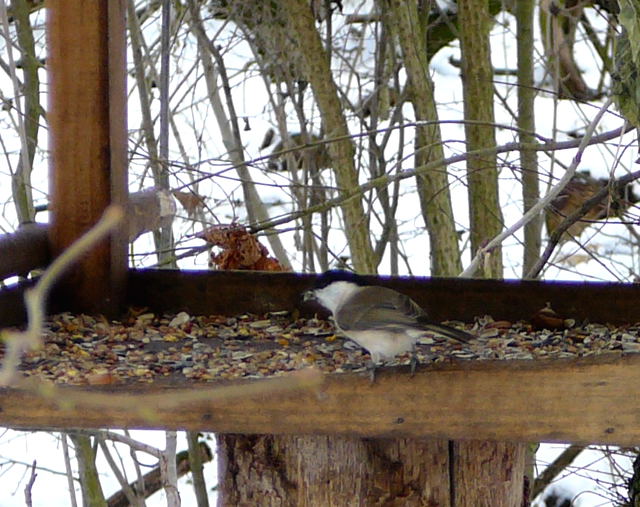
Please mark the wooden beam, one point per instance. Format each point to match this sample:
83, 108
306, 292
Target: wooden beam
87, 118
582, 401
12, 309
234, 292
24, 250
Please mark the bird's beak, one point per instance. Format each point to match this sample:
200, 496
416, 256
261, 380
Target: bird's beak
309, 295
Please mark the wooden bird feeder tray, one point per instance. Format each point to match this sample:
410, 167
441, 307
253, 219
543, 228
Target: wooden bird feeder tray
570, 400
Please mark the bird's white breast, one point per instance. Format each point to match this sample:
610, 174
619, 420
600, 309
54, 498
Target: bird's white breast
383, 344
335, 294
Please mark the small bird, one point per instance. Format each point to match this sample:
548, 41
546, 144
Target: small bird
379, 319
581, 188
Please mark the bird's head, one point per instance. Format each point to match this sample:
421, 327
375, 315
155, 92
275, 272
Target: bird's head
333, 286
338, 275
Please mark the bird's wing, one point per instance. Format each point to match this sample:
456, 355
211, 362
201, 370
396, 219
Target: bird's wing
378, 307
383, 308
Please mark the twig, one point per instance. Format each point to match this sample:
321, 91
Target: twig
14, 461
136, 37
151, 482
163, 238
139, 483
164, 81
195, 464
19, 342
229, 128
67, 466
556, 468
505, 71
27, 489
17, 86
545, 144
169, 470
127, 490
542, 203
124, 439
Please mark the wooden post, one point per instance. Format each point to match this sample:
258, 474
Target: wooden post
88, 142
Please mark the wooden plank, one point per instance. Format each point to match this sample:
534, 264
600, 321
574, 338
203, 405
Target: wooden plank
24, 250
233, 292
222, 292
12, 309
87, 75
583, 401
118, 149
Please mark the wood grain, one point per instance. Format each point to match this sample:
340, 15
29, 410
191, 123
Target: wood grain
581, 401
235, 292
87, 75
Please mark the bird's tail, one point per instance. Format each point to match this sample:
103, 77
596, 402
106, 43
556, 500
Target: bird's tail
450, 332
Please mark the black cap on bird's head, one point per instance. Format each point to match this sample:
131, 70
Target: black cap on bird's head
333, 276
338, 275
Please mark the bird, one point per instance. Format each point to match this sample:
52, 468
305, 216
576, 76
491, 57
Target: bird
581, 187
381, 320
307, 150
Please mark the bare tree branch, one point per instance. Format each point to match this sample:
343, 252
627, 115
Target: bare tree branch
554, 469
542, 203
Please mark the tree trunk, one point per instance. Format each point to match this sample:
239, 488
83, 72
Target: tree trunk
331, 470
29, 125
529, 163
527, 126
92, 494
488, 473
343, 471
477, 84
435, 200
341, 149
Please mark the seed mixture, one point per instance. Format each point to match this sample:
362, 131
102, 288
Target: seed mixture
145, 347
